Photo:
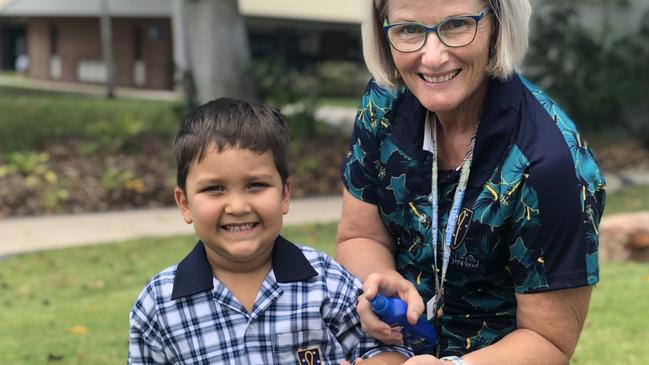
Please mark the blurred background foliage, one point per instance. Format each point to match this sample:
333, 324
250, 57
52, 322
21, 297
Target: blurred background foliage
598, 72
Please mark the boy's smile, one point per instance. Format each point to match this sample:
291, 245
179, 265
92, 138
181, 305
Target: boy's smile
236, 201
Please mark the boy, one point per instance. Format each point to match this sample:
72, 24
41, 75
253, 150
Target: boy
245, 295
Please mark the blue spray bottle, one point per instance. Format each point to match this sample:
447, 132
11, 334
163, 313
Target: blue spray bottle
421, 336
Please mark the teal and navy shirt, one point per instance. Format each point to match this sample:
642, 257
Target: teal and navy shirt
530, 215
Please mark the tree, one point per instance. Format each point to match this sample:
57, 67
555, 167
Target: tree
214, 45
107, 47
599, 75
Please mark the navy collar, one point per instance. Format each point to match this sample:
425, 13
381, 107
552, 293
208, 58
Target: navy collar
194, 273
499, 120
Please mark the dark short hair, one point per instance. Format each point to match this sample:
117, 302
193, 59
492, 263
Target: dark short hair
229, 123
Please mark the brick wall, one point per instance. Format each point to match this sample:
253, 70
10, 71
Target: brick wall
80, 39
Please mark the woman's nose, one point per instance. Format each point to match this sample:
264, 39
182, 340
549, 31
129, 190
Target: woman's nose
434, 53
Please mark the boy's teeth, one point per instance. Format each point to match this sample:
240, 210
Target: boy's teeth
239, 227
438, 79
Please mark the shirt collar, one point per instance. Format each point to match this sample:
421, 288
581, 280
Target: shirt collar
194, 273
498, 122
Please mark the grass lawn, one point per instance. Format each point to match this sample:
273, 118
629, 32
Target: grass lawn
629, 199
71, 306
32, 117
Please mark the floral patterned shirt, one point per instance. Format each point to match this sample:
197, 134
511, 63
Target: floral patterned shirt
529, 218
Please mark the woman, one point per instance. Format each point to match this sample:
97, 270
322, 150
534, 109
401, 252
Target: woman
447, 131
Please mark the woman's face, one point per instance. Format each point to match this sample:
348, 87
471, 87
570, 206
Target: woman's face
444, 79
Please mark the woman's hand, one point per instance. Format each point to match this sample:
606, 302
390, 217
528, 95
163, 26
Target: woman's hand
390, 284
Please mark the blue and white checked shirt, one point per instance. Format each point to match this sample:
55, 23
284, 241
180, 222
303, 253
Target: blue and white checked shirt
305, 313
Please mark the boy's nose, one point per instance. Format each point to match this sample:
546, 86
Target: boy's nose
237, 204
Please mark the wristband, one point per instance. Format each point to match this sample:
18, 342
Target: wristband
456, 360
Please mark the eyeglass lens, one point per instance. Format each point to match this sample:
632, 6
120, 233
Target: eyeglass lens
453, 32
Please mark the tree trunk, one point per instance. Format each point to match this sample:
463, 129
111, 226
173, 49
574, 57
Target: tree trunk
219, 54
107, 48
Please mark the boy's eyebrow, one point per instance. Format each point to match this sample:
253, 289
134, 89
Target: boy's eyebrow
219, 179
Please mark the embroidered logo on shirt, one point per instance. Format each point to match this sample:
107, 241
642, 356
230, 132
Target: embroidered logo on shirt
462, 226
309, 356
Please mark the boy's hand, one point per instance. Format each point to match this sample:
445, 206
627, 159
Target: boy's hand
390, 284
385, 358
357, 361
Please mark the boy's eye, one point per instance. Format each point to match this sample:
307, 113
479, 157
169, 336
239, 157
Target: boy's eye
258, 185
213, 188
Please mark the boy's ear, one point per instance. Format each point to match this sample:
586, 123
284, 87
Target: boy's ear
183, 204
286, 196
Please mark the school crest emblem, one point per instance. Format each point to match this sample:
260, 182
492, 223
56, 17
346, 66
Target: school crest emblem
309, 356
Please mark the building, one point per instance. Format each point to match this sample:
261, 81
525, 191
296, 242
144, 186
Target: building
62, 38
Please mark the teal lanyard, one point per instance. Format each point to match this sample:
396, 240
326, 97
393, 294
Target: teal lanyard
438, 299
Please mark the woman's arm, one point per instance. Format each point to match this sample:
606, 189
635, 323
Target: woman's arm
549, 325
363, 245
365, 248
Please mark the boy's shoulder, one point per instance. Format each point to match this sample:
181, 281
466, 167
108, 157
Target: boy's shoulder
325, 265
161, 284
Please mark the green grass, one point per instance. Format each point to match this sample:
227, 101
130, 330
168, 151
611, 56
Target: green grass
629, 199
71, 306
33, 117
617, 327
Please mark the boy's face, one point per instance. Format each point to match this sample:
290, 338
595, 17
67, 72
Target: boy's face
236, 202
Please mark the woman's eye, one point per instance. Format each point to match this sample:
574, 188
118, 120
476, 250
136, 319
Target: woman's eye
457, 23
411, 28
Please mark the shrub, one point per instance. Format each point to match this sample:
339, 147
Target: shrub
599, 76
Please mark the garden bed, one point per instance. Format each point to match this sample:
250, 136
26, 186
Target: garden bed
72, 175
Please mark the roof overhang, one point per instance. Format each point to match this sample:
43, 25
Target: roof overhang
336, 11
85, 8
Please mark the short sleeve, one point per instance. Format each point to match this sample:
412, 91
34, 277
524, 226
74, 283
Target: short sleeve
553, 240
342, 318
360, 169
145, 344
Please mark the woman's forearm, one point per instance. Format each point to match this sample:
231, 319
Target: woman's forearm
519, 347
549, 325
364, 256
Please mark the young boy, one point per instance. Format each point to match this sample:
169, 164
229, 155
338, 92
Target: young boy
245, 295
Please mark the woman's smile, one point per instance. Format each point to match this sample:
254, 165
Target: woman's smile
439, 78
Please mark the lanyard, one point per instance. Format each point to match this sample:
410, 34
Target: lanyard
436, 302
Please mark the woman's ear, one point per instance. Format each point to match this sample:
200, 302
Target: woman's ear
183, 204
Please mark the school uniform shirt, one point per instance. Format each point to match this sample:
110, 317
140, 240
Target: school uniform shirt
305, 313
529, 217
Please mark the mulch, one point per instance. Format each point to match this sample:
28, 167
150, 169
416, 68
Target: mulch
74, 180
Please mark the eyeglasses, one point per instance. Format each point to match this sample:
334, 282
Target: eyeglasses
457, 31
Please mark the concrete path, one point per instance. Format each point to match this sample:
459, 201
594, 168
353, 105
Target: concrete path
18, 235
88, 89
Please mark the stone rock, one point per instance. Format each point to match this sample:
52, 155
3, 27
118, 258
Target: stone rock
624, 237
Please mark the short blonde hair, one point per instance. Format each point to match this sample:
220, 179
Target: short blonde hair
510, 45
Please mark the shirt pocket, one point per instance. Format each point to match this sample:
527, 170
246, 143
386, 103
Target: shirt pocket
305, 348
